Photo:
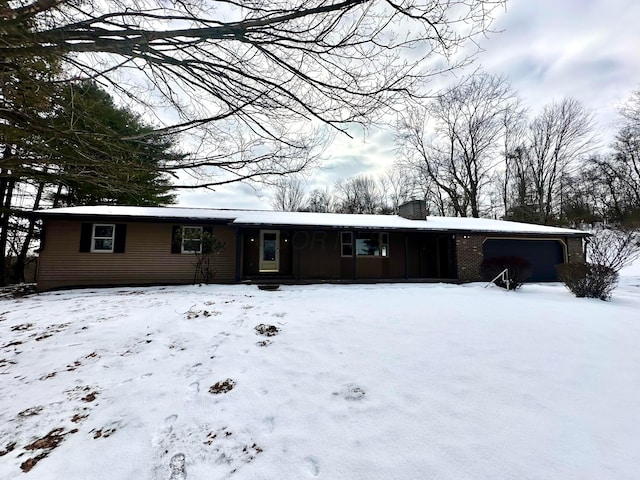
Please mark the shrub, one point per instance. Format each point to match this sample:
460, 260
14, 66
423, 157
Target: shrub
613, 246
518, 270
589, 280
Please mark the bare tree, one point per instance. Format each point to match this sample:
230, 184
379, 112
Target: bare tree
612, 180
319, 201
512, 180
625, 161
289, 194
360, 194
557, 138
265, 69
467, 124
630, 111
398, 184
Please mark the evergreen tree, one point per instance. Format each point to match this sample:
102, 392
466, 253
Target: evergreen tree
90, 152
107, 154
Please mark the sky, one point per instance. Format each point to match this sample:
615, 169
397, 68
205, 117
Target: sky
549, 50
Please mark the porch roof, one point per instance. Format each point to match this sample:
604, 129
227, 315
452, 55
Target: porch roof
261, 218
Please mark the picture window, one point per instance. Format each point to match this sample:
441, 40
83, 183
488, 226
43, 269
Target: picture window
372, 244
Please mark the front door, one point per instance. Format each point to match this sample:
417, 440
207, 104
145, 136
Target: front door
269, 250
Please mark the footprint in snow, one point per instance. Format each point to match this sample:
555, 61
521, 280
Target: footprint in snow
351, 392
177, 467
164, 432
167, 425
193, 369
268, 424
194, 389
312, 465
129, 380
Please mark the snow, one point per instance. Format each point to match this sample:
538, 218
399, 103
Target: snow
338, 220
386, 381
632, 270
130, 211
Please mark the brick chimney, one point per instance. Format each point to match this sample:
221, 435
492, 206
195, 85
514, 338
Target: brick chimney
413, 210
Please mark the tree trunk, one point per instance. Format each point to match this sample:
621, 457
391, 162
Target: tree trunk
17, 274
5, 214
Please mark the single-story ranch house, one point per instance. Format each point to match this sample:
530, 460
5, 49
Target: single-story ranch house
121, 245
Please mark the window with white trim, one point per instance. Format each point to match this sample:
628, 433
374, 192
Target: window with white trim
102, 237
191, 239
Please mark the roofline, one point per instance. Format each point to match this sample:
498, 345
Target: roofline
52, 215
133, 218
577, 233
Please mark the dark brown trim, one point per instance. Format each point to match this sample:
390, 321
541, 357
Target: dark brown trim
119, 238
176, 246
406, 256
86, 231
239, 252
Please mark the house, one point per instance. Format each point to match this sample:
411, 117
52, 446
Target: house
122, 245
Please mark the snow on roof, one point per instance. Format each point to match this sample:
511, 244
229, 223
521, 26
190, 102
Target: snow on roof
147, 212
307, 219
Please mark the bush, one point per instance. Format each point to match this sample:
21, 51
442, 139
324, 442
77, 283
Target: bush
518, 270
588, 279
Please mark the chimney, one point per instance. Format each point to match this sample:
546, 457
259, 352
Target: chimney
413, 210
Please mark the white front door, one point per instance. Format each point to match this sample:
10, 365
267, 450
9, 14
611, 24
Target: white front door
269, 250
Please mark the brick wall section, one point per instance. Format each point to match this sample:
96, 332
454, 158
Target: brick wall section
575, 250
469, 256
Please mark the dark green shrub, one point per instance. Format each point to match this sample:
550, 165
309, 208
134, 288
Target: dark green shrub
588, 279
518, 270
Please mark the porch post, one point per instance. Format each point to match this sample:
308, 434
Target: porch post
354, 254
239, 244
406, 255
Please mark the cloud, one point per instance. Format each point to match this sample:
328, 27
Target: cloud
549, 49
586, 49
234, 196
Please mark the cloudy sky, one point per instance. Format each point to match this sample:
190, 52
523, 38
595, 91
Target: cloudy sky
549, 49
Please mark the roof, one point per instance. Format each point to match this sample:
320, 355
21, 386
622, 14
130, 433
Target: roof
306, 219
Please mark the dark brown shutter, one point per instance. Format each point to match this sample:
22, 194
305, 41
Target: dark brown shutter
207, 237
175, 239
43, 238
120, 237
86, 231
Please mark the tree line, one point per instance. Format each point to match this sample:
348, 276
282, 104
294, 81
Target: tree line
475, 151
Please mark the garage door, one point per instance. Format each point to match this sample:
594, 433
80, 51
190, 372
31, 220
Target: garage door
543, 255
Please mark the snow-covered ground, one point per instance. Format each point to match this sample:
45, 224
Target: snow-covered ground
356, 382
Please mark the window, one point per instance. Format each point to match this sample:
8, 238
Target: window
194, 239
346, 239
102, 238
191, 240
372, 244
